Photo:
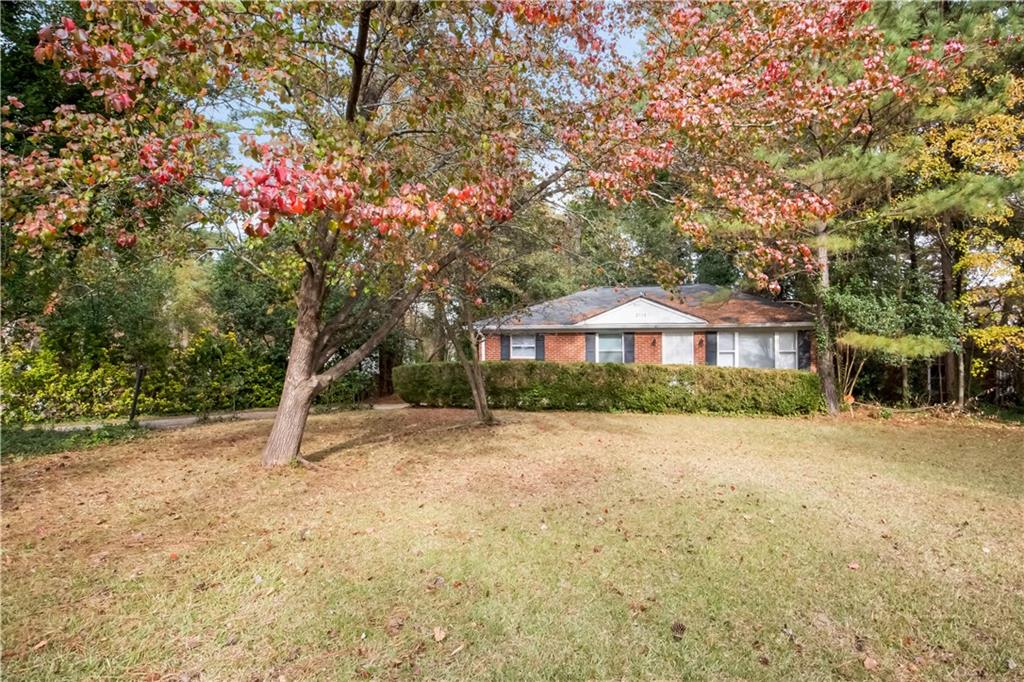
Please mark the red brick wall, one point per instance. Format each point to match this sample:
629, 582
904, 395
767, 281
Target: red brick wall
492, 347
565, 348
647, 348
557, 347
700, 348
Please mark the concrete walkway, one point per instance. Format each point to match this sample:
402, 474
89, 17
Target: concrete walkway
182, 421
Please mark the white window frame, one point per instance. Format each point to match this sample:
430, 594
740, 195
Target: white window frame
522, 347
598, 351
794, 353
732, 357
732, 354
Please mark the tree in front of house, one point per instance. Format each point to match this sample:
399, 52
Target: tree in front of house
387, 138
776, 159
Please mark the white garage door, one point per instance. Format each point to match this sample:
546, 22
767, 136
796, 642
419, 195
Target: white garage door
677, 348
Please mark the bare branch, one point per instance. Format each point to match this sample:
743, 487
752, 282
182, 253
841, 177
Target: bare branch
359, 60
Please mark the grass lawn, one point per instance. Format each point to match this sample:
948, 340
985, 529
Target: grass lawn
19, 442
555, 546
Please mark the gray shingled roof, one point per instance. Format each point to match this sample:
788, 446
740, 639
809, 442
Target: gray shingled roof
717, 305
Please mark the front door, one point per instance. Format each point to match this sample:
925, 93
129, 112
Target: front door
677, 348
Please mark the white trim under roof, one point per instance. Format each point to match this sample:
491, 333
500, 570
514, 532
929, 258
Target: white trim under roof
641, 313
576, 328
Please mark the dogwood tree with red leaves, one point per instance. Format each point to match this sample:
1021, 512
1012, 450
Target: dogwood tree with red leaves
389, 139
93, 171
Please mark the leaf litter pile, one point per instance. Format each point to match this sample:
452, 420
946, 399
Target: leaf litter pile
552, 545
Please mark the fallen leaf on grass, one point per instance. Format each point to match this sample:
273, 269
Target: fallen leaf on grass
40, 645
439, 634
678, 630
853, 566
870, 663
457, 649
637, 607
395, 624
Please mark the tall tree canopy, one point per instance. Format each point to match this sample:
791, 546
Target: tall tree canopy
781, 114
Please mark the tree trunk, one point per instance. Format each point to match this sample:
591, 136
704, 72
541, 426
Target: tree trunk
470, 364
905, 376
300, 386
140, 372
960, 382
826, 359
912, 245
388, 357
475, 375
290, 422
827, 371
947, 295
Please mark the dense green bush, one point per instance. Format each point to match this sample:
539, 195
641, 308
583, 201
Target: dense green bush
611, 387
213, 372
36, 387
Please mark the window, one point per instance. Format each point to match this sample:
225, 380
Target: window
523, 347
609, 348
727, 349
756, 349
677, 348
785, 350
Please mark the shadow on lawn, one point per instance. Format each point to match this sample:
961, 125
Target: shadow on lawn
388, 434
323, 453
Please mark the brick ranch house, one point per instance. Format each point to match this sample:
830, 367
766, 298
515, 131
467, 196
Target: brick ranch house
698, 324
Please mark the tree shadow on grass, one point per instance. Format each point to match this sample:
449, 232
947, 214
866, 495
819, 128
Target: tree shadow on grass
376, 438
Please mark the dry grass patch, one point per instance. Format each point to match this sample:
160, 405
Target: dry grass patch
554, 545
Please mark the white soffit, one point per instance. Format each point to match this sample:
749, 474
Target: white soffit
641, 313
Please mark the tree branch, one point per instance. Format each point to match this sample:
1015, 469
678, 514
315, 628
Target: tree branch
359, 61
328, 376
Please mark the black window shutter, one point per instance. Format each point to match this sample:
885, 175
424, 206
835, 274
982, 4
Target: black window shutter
506, 347
629, 347
711, 349
539, 355
803, 348
591, 355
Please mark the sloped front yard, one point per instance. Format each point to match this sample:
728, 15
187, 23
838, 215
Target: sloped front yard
555, 545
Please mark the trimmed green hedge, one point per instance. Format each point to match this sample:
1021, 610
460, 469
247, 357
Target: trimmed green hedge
614, 387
